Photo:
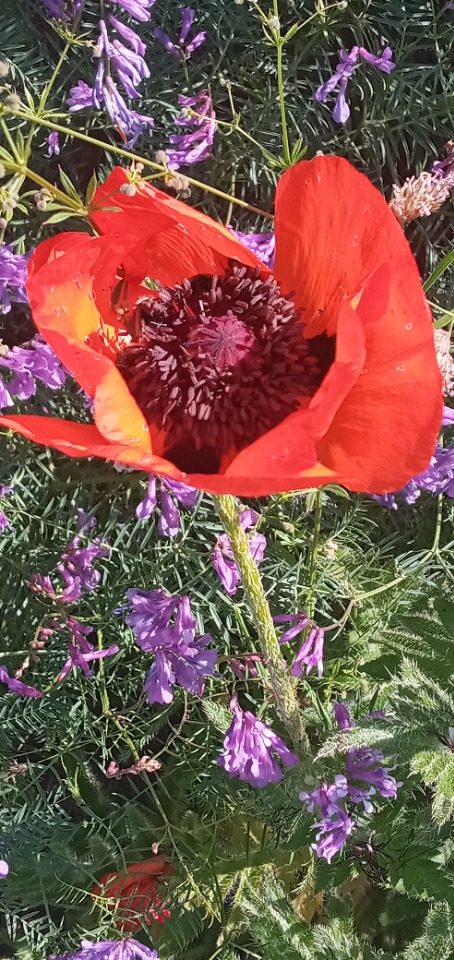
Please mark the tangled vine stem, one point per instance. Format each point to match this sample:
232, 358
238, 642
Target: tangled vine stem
281, 681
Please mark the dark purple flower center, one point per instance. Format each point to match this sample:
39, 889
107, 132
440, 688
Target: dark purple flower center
217, 363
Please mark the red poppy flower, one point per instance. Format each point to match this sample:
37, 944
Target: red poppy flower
133, 895
206, 367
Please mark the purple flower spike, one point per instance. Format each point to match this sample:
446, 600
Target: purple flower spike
178, 50
53, 144
80, 97
222, 555
137, 9
249, 746
344, 70
132, 124
16, 686
169, 521
179, 656
333, 832
342, 716
365, 765
196, 145
128, 949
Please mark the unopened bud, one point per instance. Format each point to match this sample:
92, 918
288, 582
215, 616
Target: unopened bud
129, 189
342, 5
2, 171
274, 23
180, 184
161, 157
42, 199
13, 101
9, 203
4, 69
3, 223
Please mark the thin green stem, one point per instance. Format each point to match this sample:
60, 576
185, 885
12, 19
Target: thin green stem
281, 681
280, 87
314, 551
44, 184
128, 155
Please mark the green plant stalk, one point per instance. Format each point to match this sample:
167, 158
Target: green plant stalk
280, 87
128, 155
281, 681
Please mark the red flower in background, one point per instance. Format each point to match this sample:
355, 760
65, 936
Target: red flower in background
133, 895
231, 378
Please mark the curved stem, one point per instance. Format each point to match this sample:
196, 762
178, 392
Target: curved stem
281, 681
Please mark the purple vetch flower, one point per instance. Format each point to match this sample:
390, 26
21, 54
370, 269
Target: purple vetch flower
342, 716
311, 651
127, 62
366, 765
333, 832
343, 72
37, 361
16, 686
128, 949
437, 479
43, 585
179, 49
179, 656
13, 270
77, 562
137, 9
326, 795
249, 746
53, 144
222, 555
132, 124
80, 97
262, 244
169, 520
81, 651
63, 9
197, 145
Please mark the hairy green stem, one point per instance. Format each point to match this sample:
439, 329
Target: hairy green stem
281, 681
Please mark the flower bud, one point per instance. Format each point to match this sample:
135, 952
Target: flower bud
274, 23
129, 189
13, 101
2, 171
161, 157
4, 69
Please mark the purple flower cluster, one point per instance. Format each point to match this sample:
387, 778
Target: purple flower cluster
53, 144
437, 479
169, 520
128, 949
251, 748
311, 651
344, 70
222, 555
365, 777
179, 656
5, 491
16, 686
262, 244
75, 567
125, 56
198, 115
28, 364
182, 50
13, 272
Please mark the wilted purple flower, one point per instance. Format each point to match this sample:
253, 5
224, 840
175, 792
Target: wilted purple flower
179, 656
16, 686
53, 144
247, 662
365, 765
249, 746
222, 555
138, 9
81, 651
196, 146
128, 949
344, 70
262, 244
169, 520
178, 49
13, 270
132, 124
342, 716
80, 97
333, 831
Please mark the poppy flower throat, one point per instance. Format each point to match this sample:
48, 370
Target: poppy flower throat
219, 359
